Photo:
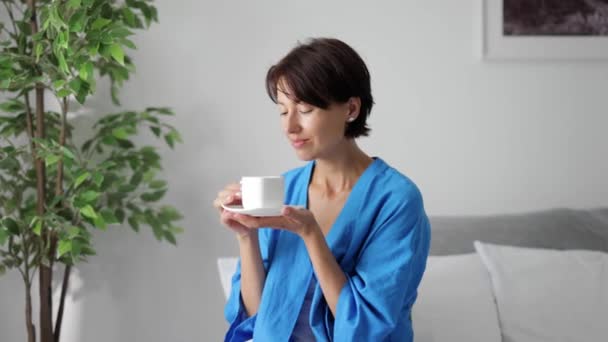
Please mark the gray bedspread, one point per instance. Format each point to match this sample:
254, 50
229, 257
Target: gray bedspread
556, 228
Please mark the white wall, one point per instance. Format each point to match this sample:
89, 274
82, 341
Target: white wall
477, 137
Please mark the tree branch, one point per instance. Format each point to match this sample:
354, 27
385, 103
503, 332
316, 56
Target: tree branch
64, 290
28, 120
62, 134
11, 16
59, 192
7, 32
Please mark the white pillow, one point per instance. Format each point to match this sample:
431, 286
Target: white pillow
226, 267
455, 302
548, 295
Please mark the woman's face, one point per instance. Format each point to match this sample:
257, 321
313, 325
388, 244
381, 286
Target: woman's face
313, 132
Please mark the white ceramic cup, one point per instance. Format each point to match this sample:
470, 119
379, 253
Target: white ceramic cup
262, 192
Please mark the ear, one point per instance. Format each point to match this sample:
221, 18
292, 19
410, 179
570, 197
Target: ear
353, 108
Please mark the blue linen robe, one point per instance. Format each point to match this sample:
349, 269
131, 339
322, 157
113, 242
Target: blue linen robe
380, 239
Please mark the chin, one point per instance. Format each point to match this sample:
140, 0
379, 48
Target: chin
305, 156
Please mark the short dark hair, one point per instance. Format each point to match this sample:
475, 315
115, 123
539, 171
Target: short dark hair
323, 71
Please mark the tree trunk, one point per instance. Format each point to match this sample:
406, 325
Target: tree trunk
58, 192
64, 290
46, 271
46, 304
31, 331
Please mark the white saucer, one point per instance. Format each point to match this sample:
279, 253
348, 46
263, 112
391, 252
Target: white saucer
260, 212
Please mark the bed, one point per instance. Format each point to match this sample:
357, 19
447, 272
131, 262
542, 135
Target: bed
529, 277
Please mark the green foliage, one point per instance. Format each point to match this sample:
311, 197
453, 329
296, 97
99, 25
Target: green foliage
107, 181
75, 38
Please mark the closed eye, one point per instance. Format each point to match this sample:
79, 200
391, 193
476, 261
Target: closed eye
300, 111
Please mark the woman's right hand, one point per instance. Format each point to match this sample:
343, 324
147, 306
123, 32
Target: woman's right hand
231, 195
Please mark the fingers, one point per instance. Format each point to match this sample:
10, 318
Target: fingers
279, 222
233, 186
252, 222
227, 199
231, 194
295, 213
287, 211
291, 219
246, 220
228, 221
226, 193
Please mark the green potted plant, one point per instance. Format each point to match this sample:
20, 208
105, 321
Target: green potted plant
53, 193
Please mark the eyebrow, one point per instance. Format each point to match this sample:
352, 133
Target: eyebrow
296, 102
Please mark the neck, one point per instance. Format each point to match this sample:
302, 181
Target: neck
340, 171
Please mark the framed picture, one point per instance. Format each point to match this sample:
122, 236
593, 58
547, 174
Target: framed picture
545, 29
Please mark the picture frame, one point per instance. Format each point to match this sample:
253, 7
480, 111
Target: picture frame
498, 46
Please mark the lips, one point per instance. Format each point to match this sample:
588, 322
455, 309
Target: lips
298, 142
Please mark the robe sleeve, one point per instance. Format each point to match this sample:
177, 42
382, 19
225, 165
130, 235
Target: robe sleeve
387, 273
241, 325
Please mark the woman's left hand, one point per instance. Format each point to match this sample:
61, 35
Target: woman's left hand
296, 220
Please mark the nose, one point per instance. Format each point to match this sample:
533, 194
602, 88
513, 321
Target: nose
292, 123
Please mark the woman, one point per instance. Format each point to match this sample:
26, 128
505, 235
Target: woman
346, 268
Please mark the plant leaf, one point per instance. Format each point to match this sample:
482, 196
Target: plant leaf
11, 225
51, 159
136, 178
120, 215
120, 133
86, 71
108, 216
63, 65
170, 237
155, 130
3, 236
98, 178
133, 222
88, 211
12, 106
63, 93
39, 50
83, 177
100, 223
73, 232
169, 214
153, 196
117, 53
67, 153
74, 3
89, 196
99, 23
158, 184
64, 247
38, 227
58, 83
76, 247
